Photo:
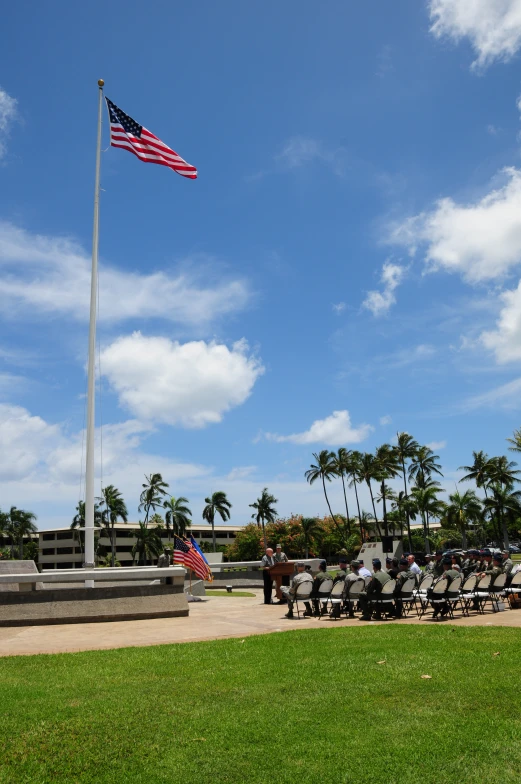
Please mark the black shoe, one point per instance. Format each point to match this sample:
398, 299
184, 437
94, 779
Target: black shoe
364, 618
307, 614
378, 617
289, 614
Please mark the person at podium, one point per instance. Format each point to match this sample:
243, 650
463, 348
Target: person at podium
267, 562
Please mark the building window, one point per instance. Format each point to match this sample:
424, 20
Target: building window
48, 566
231, 535
196, 534
65, 565
123, 548
47, 550
65, 535
48, 537
64, 550
206, 535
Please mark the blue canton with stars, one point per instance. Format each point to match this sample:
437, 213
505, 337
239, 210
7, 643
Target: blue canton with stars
117, 116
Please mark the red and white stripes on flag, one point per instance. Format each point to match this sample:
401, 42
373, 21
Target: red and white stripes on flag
129, 135
188, 556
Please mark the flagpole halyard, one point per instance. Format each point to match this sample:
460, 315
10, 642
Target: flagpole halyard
91, 374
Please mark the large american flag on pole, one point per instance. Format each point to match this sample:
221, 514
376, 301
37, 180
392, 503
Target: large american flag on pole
188, 556
129, 135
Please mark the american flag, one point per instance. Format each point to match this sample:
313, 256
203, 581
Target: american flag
130, 135
188, 556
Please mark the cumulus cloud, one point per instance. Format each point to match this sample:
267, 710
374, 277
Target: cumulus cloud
334, 430
435, 445
493, 27
23, 440
480, 240
190, 384
386, 420
8, 113
339, 308
52, 275
301, 151
505, 340
241, 472
380, 302
506, 395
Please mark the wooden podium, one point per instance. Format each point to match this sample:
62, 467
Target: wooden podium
280, 570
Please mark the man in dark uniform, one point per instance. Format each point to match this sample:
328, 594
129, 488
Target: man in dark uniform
321, 575
495, 568
449, 574
392, 569
342, 572
267, 562
438, 566
429, 564
403, 575
373, 590
508, 565
353, 575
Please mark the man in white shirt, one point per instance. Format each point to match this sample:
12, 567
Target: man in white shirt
363, 572
413, 566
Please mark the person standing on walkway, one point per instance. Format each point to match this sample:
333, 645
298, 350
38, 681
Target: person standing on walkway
267, 562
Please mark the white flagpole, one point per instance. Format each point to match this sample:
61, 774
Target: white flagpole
91, 383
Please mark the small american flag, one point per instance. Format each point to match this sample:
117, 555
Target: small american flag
188, 556
127, 134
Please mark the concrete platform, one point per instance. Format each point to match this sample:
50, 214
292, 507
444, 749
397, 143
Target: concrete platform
102, 604
215, 618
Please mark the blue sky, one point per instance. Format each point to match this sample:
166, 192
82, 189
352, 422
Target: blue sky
347, 264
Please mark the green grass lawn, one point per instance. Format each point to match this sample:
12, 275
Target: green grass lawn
211, 592
298, 708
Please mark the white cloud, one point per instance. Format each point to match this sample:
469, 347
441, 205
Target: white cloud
386, 420
435, 445
301, 151
493, 27
191, 384
380, 302
505, 340
480, 240
506, 395
8, 114
339, 308
52, 275
23, 441
334, 430
241, 472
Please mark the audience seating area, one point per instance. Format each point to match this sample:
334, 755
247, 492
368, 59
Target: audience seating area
427, 597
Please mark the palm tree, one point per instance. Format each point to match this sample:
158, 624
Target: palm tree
479, 471
323, 469
368, 470
427, 503
353, 470
386, 460
4, 520
502, 471
78, 522
423, 464
311, 528
503, 502
386, 494
515, 441
463, 509
154, 489
265, 511
177, 515
114, 508
21, 523
341, 463
406, 448
405, 507
148, 544
217, 503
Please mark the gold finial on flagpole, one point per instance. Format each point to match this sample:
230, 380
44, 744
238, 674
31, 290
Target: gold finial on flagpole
100, 82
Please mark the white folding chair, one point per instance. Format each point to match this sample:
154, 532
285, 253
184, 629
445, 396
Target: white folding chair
356, 587
420, 593
384, 601
324, 593
335, 599
479, 595
436, 596
468, 587
452, 595
406, 596
497, 591
515, 584
302, 594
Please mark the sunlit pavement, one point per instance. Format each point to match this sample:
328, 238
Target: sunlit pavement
216, 618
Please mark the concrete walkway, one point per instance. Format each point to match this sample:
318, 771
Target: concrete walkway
217, 618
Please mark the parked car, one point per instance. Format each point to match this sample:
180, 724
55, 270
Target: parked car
513, 549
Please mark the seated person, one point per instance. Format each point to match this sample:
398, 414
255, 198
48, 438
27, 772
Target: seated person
362, 571
373, 590
354, 574
289, 592
321, 575
449, 574
342, 572
403, 575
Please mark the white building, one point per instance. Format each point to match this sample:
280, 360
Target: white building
60, 547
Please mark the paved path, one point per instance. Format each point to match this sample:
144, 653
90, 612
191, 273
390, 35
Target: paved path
216, 618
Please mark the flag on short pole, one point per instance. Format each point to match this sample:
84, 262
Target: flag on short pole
191, 558
196, 547
129, 135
